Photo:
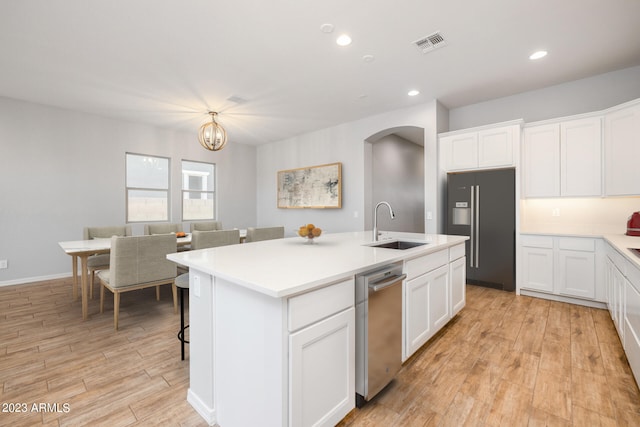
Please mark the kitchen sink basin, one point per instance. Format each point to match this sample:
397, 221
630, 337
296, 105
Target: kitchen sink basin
397, 244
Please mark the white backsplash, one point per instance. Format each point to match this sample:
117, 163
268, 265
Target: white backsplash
583, 216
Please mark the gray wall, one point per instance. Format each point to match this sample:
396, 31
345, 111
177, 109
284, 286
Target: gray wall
398, 178
576, 97
346, 144
62, 170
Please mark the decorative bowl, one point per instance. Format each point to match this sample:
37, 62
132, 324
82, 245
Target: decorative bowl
309, 232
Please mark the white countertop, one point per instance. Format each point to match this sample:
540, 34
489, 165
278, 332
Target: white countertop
622, 243
284, 267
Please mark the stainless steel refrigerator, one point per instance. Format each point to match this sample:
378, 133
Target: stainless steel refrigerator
482, 205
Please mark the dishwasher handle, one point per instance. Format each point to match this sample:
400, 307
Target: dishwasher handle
378, 286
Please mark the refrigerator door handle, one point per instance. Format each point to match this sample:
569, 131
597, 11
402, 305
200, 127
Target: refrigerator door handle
477, 219
473, 215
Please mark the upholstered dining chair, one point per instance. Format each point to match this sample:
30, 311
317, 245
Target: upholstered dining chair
137, 262
161, 228
206, 226
101, 261
264, 233
199, 240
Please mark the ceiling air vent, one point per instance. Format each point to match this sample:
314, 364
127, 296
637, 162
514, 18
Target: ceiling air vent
430, 42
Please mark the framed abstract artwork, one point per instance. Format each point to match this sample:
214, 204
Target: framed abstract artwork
312, 187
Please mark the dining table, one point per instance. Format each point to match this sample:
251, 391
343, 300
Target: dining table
83, 249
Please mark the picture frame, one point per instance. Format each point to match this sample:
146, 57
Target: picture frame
311, 187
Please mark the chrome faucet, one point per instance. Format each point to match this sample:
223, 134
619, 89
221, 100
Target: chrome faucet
375, 219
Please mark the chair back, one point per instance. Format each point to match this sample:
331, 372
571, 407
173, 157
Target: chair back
206, 226
141, 259
212, 239
90, 233
264, 233
165, 228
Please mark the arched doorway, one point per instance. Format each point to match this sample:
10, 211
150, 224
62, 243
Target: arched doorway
394, 172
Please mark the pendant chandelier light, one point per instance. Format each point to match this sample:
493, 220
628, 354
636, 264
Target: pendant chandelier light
211, 135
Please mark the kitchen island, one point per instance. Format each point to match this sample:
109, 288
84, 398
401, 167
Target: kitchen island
272, 323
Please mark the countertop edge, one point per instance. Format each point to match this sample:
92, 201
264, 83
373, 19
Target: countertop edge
320, 282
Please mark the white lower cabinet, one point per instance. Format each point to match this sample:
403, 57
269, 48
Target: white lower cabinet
428, 295
564, 266
623, 301
322, 328
321, 371
458, 279
577, 273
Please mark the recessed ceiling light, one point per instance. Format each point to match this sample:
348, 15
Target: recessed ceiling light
343, 40
537, 55
413, 92
326, 28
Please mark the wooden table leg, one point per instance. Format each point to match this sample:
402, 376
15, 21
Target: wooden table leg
85, 288
74, 272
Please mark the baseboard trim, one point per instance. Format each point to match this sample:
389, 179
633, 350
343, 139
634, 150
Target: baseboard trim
26, 280
207, 413
562, 298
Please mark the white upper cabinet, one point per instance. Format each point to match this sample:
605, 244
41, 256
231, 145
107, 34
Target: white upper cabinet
541, 161
563, 159
581, 157
484, 148
622, 151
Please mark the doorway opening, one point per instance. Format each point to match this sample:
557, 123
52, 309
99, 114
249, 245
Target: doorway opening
394, 172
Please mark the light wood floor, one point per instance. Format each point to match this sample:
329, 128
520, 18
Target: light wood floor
504, 360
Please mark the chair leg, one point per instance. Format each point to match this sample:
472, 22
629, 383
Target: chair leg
174, 290
158, 293
116, 309
101, 298
93, 275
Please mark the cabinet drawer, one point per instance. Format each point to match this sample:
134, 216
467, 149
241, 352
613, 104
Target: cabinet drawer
577, 244
308, 308
418, 266
456, 252
545, 242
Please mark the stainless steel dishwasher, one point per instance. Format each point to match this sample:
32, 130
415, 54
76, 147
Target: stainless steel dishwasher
378, 329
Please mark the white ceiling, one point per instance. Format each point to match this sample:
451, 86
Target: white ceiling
167, 63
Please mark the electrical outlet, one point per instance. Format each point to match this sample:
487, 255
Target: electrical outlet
4, 263
555, 212
196, 286
429, 215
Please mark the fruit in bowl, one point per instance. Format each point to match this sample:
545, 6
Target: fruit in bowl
181, 234
309, 231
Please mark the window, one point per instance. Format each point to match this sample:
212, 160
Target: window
147, 183
198, 190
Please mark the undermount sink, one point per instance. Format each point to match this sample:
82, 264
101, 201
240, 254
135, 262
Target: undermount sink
397, 244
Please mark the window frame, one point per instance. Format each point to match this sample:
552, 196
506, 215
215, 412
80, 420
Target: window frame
213, 191
166, 190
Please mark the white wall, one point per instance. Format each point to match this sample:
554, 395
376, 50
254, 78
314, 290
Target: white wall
576, 97
62, 170
344, 143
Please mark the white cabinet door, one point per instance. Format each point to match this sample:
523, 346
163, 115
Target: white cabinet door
622, 151
495, 146
541, 159
632, 328
537, 269
439, 302
577, 274
581, 157
416, 313
322, 371
617, 297
460, 151
458, 281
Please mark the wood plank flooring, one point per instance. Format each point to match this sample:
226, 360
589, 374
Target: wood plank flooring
504, 360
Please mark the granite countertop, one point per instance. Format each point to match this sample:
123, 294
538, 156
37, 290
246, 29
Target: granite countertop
284, 267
